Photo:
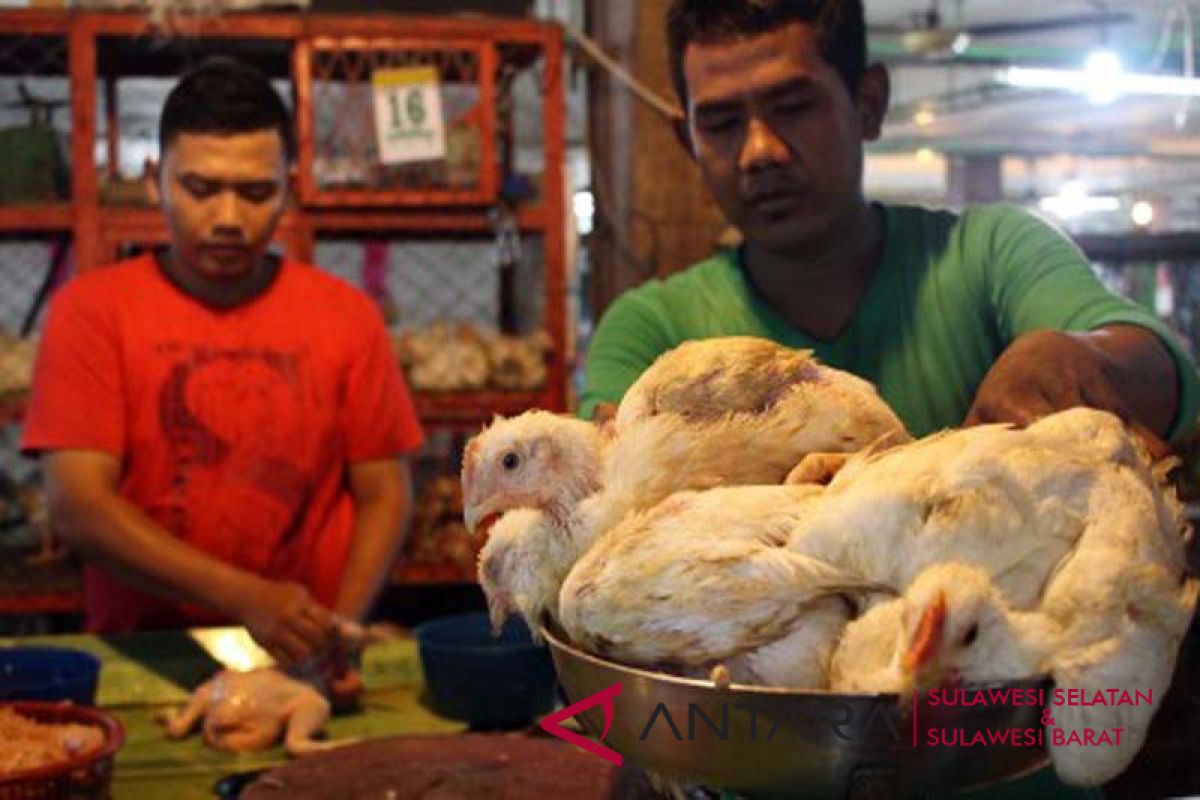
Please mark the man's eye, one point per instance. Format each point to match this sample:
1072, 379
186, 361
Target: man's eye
199, 188
792, 107
719, 125
257, 193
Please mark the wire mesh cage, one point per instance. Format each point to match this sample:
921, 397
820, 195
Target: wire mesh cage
346, 154
30, 269
31, 563
520, 107
460, 321
35, 123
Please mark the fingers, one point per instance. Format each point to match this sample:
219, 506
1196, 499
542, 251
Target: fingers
317, 622
288, 648
1018, 412
289, 624
1155, 446
604, 412
312, 636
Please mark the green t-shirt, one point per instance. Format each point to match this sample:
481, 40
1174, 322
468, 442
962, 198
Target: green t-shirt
950, 295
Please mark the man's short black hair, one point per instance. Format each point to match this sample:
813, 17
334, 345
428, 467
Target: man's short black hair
840, 26
224, 96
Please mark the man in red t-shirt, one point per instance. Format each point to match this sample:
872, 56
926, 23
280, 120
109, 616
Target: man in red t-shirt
222, 432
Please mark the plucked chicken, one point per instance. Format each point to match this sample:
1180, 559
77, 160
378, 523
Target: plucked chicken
247, 711
703, 579
779, 405
1013, 501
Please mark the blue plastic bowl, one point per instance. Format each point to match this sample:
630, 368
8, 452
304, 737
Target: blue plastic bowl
48, 673
490, 682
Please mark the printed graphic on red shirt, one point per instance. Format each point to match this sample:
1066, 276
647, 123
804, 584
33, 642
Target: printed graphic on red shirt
235, 430
234, 423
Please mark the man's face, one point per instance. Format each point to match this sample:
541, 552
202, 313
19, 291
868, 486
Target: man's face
223, 196
777, 135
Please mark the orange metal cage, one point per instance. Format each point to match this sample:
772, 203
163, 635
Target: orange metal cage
339, 50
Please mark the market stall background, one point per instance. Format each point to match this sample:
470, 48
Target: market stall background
465, 257
560, 189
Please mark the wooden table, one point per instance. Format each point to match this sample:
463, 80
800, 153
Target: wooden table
145, 673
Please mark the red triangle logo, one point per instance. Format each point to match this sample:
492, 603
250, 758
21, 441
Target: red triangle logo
551, 724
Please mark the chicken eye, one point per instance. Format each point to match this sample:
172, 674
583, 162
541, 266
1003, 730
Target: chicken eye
970, 636
510, 461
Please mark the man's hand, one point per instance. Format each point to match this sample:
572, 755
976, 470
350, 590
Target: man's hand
287, 622
1047, 371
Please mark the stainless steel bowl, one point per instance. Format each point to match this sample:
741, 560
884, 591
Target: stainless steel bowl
758, 740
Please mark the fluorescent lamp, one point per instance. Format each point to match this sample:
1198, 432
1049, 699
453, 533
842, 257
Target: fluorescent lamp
1103, 68
1082, 82
1073, 201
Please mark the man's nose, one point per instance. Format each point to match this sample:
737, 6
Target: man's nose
762, 146
227, 221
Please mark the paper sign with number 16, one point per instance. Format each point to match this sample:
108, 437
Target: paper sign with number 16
408, 115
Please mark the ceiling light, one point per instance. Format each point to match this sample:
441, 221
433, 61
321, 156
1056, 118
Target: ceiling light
932, 42
926, 155
1073, 201
1142, 213
1078, 81
924, 118
1102, 70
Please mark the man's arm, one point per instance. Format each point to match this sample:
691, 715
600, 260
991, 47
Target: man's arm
1124, 369
632, 333
1109, 352
381, 493
102, 526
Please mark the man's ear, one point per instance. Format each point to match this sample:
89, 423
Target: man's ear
874, 94
683, 134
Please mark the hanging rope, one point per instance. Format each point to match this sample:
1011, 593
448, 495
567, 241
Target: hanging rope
595, 53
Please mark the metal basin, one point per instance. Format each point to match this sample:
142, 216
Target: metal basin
780, 742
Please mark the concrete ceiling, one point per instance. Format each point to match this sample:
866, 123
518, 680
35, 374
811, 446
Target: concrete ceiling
1135, 148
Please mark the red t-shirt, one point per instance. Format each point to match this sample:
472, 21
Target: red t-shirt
234, 427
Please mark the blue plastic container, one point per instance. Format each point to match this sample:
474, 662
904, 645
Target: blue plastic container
48, 673
490, 682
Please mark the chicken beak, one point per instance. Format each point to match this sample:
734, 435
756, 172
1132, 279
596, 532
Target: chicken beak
927, 639
479, 516
472, 516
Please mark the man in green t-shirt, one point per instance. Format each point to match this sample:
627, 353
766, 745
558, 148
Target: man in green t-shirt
991, 315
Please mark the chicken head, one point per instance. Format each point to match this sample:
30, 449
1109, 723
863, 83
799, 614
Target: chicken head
959, 629
537, 460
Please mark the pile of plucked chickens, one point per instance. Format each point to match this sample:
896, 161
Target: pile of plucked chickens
757, 517
459, 356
